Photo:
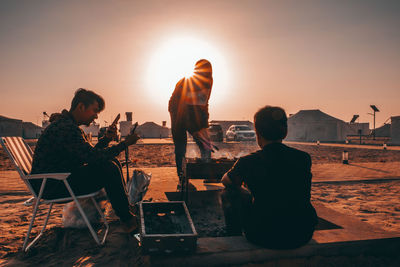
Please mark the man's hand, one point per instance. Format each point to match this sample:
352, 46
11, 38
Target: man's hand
111, 132
131, 139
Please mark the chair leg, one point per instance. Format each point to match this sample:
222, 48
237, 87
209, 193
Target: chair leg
104, 220
24, 248
82, 212
43, 228
47, 217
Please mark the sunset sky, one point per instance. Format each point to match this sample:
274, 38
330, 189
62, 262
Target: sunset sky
337, 56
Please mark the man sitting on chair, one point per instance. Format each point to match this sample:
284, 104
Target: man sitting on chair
63, 147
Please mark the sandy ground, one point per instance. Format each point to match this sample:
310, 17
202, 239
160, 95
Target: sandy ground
377, 203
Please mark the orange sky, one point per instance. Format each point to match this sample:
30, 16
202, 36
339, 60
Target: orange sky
337, 56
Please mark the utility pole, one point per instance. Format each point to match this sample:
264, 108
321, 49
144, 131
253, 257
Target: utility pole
375, 109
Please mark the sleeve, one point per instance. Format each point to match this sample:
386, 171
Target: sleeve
210, 88
235, 174
176, 98
76, 146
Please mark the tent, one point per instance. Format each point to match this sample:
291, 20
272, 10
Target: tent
10, 127
152, 130
31, 130
395, 130
315, 125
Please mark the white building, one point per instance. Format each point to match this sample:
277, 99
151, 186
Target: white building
10, 127
92, 129
395, 130
315, 125
31, 130
152, 130
125, 128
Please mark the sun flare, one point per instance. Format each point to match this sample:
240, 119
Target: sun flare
175, 58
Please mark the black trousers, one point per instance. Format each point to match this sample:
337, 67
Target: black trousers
179, 136
267, 232
236, 204
92, 178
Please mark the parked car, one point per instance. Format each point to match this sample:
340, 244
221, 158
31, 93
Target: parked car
240, 133
215, 132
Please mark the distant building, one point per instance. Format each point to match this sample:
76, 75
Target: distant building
315, 125
31, 130
395, 130
383, 131
226, 124
10, 127
152, 130
125, 128
45, 123
358, 128
92, 129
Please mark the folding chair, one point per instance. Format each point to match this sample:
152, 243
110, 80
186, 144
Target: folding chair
21, 155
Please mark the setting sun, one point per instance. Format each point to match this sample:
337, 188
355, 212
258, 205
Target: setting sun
175, 58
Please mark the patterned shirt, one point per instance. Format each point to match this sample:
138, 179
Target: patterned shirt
64, 147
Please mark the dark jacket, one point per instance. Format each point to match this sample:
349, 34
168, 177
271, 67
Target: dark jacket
63, 147
186, 110
279, 179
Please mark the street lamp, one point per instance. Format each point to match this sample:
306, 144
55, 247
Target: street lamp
375, 109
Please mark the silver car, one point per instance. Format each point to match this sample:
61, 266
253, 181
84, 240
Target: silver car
240, 133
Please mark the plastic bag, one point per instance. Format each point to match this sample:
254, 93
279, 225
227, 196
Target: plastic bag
72, 218
137, 186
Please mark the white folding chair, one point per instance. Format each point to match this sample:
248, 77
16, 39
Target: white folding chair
21, 155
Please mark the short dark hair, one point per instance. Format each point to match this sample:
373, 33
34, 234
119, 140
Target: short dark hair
271, 123
86, 97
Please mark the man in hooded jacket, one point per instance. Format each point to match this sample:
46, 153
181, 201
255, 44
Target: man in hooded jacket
188, 107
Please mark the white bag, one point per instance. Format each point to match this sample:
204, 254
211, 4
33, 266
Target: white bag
72, 218
137, 186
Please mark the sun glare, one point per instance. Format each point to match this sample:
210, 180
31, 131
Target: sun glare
175, 58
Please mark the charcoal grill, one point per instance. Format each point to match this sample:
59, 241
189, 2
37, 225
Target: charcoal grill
166, 227
196, 168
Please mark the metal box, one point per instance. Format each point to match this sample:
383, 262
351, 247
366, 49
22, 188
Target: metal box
195, 168
166, 227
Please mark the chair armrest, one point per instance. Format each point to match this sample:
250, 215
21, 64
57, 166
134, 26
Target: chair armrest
57, 176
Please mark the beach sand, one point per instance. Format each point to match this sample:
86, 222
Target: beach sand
377, 203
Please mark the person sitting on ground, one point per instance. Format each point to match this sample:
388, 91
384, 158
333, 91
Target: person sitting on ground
63, 147
274, 210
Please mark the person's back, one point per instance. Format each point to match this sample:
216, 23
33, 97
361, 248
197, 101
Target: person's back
51, 153
277, 213
188, 104
279, 180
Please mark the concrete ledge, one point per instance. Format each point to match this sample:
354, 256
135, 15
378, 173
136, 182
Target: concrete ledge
354, 238
224, 252
368, 180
